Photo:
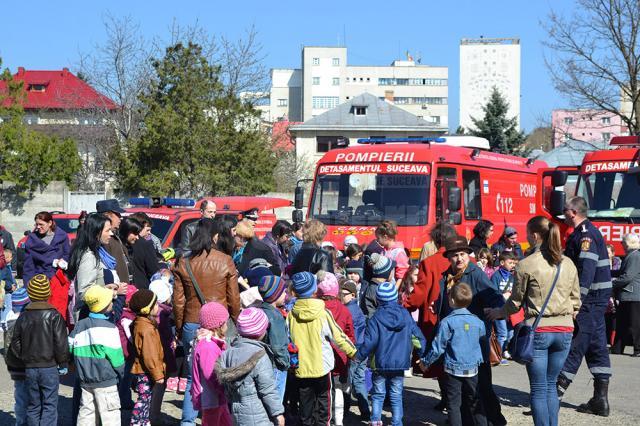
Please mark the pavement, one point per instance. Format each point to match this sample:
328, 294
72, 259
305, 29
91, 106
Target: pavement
510, 383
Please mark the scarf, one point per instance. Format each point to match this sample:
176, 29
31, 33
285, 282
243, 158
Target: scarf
504, 274
108, 260
237, 255
453, 279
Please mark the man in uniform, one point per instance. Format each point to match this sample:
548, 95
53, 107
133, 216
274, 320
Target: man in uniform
208, 210
587, 248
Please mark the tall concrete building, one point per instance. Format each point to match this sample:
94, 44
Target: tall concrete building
486, 63
325, 80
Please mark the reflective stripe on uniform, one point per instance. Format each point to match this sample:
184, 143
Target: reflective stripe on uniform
600, 286
603, 263
600, 370
584, 291
568, 375
589, 255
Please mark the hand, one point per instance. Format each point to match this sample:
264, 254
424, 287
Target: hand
62, 371
432, 307
62, 264
122, 288
280, 420
160, 382
243, 282
174, 344
14, 288
420, 364
493, 314
575, 315
55, 263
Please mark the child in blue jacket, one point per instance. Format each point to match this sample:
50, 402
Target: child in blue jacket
388, 339
503, 279
460, 337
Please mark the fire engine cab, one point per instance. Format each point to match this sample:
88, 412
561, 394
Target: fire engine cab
416, 182
609, 180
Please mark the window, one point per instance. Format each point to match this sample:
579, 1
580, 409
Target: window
446, 179
360, 110
435, 119
335, 62
568, 136
402, 81
606, 120
316, 81
316, 61
606, 137
37, 87
471, 189
568, 120
336, 81
283, 102
324, 102
327, 143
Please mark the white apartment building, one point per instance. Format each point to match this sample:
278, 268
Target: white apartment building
325, 80
486, 63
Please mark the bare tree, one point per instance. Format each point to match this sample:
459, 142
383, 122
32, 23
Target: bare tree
594, 57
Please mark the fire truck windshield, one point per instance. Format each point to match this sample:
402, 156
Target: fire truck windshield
611, 195
366, 199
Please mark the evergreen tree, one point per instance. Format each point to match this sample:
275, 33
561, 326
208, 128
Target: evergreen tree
196, 137
501, 132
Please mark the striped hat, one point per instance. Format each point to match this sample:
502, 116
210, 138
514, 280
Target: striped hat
19, 299
387, 292
254, 275
355, 267
304, 284
271, 288
380, 266
39, 288
252, 323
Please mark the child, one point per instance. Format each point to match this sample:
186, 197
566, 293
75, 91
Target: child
353, 252
388, 336
148, 366
207, 395
15, 365
273, 295
98, 358
355, 271
124, 329
503, 280
328, 289
163, 291
460, 337
40, 341
485, 261
246, 372
382, 270
312, 328
6, 278
348, 292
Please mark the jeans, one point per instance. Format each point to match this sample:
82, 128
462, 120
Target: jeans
281, 382
394, 381
504, 333
21, 395
549, 353
189, 414
357, 378
42, 385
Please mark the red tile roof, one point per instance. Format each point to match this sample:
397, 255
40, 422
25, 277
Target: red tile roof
281, 137
59, 90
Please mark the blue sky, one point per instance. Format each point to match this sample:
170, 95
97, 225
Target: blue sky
49, 35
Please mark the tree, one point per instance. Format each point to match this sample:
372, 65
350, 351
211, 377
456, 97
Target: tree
594, 57
29, 159
501, 131
196, 138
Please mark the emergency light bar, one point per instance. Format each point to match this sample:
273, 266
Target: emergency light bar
456, 140
625, 141
161, 201
399, 140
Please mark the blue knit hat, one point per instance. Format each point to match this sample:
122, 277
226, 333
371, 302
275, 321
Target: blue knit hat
19, 299
304, 284
255, 275
381, 266
387, 292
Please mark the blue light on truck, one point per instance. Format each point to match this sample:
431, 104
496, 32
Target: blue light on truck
400, 140
161, 201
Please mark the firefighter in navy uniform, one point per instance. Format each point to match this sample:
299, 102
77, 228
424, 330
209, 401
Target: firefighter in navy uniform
587, 248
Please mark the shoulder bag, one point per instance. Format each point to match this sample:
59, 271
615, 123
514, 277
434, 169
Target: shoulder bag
196, 287
521, 345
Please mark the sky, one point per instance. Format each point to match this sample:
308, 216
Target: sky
51, 35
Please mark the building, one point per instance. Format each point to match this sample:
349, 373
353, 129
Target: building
325, 80
486, 63
587, 125
362, 116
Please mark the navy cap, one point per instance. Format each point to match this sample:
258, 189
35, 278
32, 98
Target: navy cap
111, 205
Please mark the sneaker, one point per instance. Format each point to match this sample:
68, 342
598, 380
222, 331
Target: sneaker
506, 355
172, 384
504, 362
182, 385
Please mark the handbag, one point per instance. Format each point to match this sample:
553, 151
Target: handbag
196, 287
495, 350
521, 345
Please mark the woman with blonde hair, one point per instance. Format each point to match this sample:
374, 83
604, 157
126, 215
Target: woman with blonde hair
311, 257
249, 247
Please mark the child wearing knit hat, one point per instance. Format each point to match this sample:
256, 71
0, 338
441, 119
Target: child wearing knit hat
312, 327
382, 270
163, 289
389, 338
207, 394
272, 290
98, 357
246, 371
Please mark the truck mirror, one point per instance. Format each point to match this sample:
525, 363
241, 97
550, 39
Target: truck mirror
455, 218
559, 178
455, 199
557, 202
298, 200
297, 216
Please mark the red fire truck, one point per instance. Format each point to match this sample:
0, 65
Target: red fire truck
417, 181
609, 180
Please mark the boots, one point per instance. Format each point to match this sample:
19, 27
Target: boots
561, 385
599, 404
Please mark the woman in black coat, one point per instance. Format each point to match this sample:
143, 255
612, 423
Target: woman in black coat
481, 233
143, 262
311, 257
249, 247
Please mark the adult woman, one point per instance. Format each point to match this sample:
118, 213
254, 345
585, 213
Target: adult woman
311, 257
216, 280
249, 247
481, 233
386, 234
142, 259
627, 287
46, 246
145, 233
226, 233
552, 340
278, 241
507, 242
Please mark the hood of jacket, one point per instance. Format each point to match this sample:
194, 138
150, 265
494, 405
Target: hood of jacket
306, 310
390, 316
239, 360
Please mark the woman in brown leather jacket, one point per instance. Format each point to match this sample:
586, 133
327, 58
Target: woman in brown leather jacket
217, 280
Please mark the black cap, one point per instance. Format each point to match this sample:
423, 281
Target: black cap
112, 205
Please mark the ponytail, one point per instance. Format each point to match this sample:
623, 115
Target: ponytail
551, 247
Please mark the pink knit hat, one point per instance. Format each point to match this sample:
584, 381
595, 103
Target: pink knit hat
252, 323
131, 290
327, 284
213, 315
